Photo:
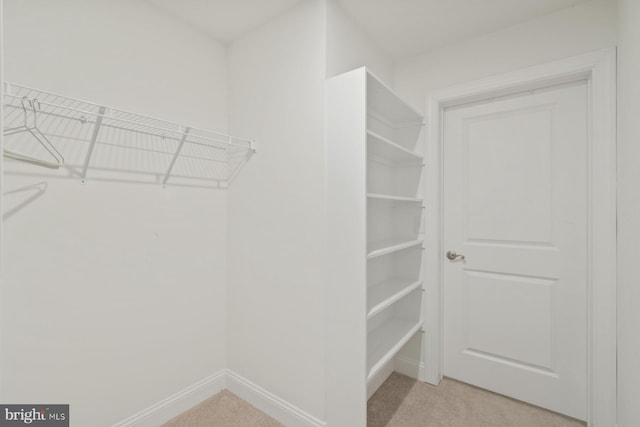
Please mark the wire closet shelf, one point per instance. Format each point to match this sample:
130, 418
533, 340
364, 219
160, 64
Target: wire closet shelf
58, 131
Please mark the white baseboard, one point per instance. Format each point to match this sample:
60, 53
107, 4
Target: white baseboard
173, 406
379, 378
409, 367
267, 402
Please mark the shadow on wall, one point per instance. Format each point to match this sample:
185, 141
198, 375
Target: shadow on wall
92, 142
22, 197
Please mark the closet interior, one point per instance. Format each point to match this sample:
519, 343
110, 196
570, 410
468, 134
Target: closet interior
150, 258
182, 283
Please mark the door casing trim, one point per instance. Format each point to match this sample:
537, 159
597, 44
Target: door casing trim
599, 70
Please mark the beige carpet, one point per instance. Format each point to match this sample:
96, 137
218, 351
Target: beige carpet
400, 402
404, 402
224, 409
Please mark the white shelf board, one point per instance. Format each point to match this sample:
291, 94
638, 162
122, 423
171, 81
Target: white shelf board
382, 100
376, 249
381, 147
384, 342
377, 196
384, 294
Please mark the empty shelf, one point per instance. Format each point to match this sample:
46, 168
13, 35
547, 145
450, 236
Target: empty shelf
386, 103
382, 147
385, 342
376, 249
388, 292
388, 197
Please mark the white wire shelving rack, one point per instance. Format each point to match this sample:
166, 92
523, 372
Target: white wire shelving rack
107, 143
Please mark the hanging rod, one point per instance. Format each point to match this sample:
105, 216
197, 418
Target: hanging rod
67, 120
111, 114
101, 116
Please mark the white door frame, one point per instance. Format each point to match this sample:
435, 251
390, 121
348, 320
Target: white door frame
599, 70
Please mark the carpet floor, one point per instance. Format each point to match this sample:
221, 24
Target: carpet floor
400, 402
225, 409
404, 402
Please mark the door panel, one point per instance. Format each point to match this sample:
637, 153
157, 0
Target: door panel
509, 178
526, 302
515, 206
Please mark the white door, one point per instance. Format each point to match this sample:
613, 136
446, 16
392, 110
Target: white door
515, 205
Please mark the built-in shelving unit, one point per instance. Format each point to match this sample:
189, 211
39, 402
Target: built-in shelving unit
375, 170
394, 227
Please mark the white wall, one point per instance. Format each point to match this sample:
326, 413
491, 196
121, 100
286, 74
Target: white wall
571, 31
277, 208
628, 212
349, 48
113, 294
124, 54
1, 182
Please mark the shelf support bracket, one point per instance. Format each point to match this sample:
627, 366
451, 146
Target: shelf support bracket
175, 156
92, 143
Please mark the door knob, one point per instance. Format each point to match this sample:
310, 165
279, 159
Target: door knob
452, 255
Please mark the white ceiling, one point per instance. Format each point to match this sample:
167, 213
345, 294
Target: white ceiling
224, 20
402, 28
